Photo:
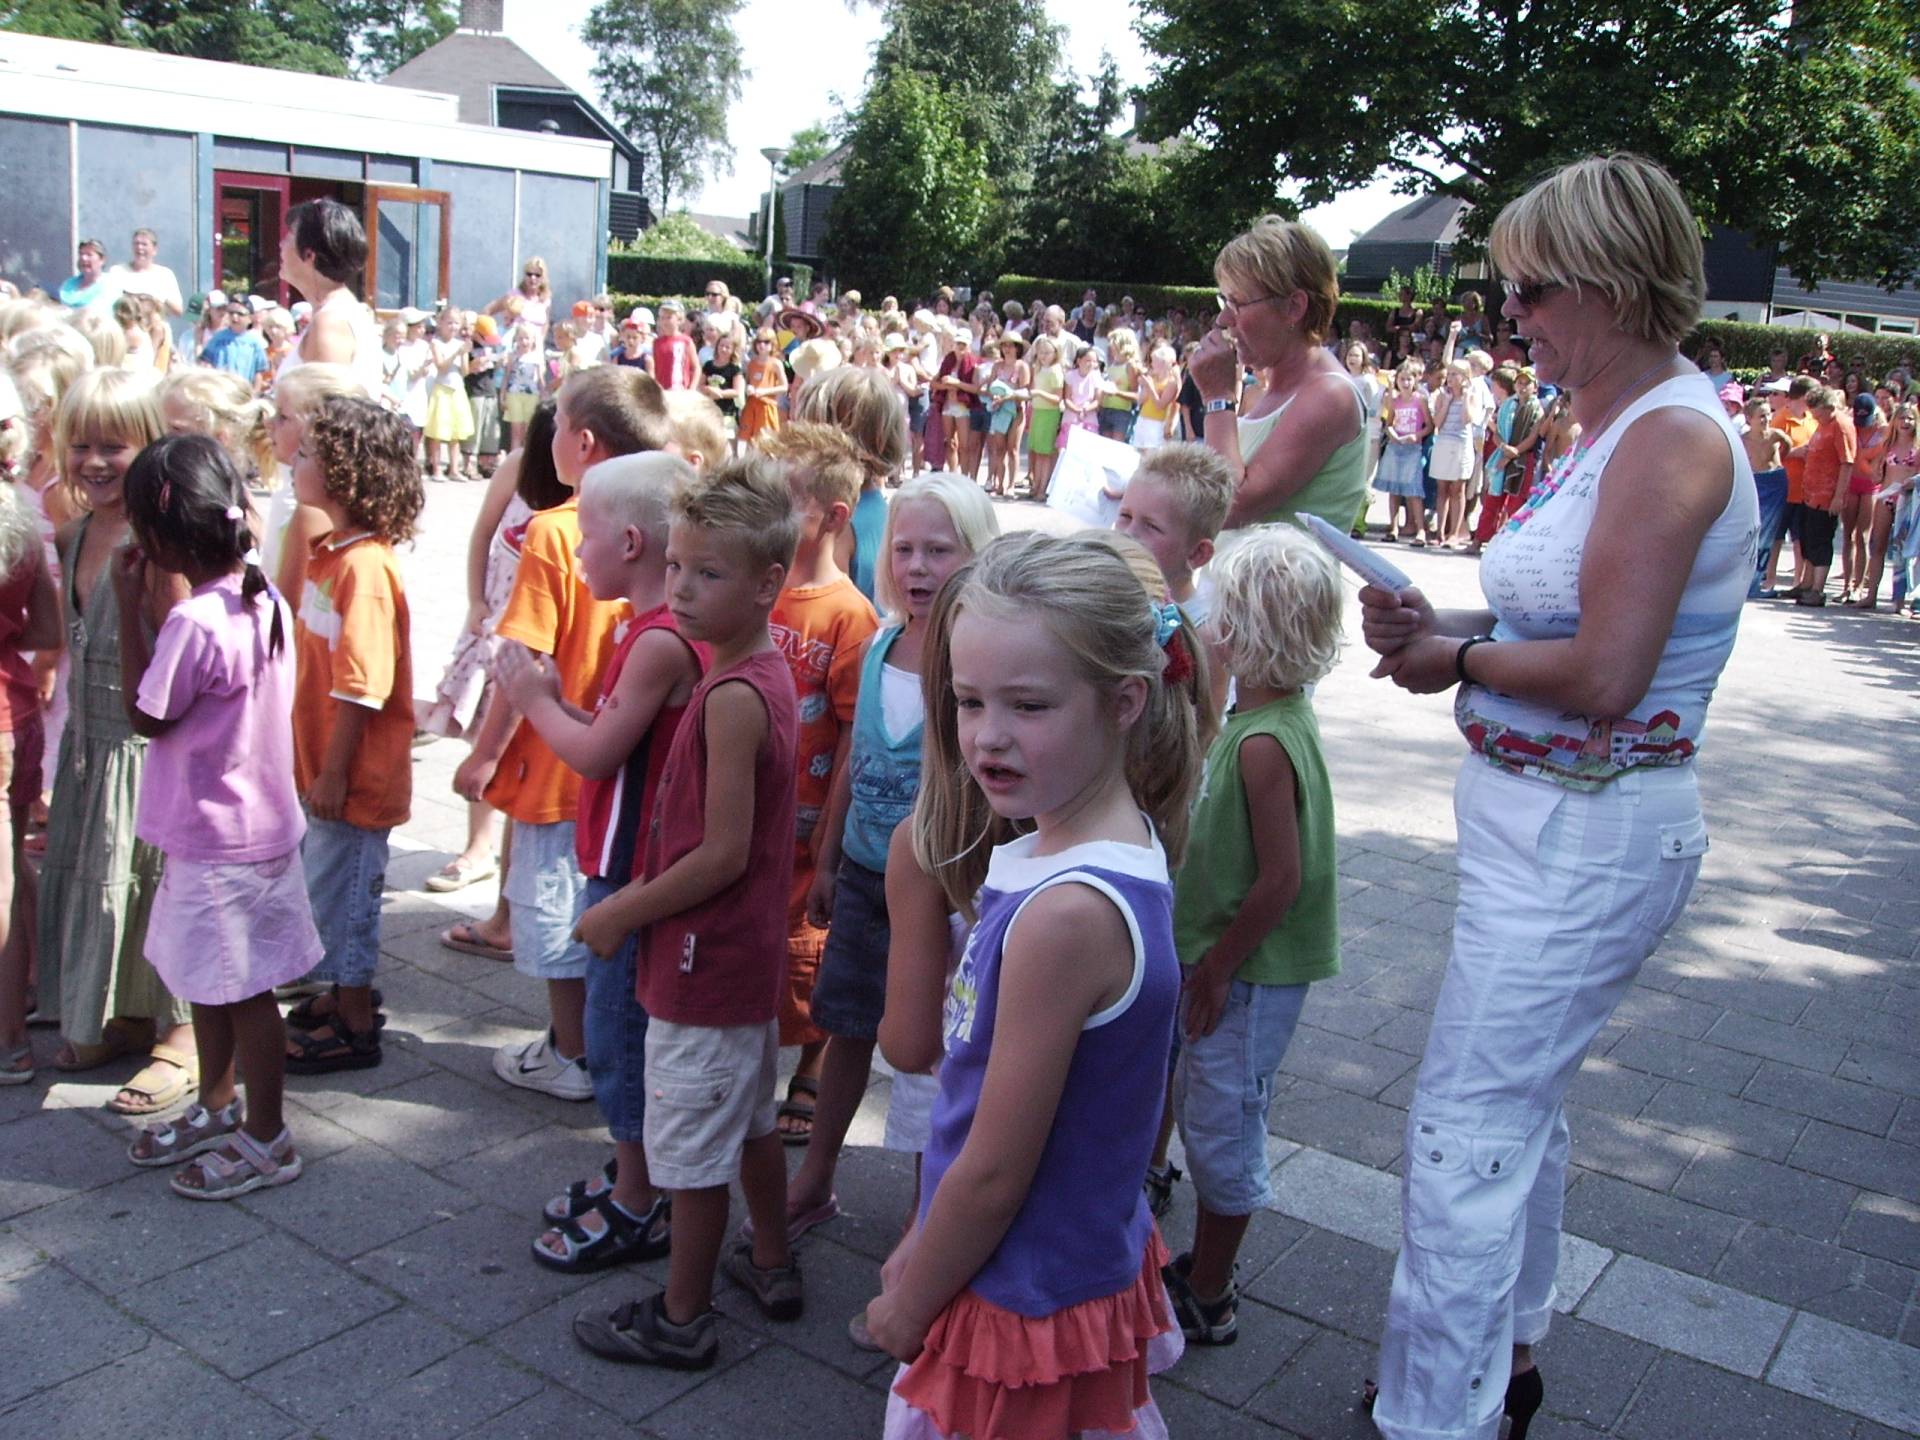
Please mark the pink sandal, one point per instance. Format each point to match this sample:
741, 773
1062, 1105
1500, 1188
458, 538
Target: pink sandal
240, 1167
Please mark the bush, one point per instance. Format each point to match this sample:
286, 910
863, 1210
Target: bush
679, 237
682, 275
1197, 300
1749, 346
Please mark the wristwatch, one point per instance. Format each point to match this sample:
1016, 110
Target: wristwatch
1214, 407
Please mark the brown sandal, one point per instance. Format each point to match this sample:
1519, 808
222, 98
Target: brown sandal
155, 1089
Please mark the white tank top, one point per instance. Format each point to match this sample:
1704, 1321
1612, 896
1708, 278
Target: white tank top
367, 361
1530, 575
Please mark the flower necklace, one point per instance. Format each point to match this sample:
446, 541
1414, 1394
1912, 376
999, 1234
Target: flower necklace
1562, 469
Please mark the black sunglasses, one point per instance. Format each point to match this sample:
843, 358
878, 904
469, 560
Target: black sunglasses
1529, 292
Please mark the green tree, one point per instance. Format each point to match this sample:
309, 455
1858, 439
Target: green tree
388, 33
915, 196
809, 143
679, 237
668, 69
1796, 124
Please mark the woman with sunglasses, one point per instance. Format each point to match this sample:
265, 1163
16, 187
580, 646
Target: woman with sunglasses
529, 305
1301, 445
1614, 596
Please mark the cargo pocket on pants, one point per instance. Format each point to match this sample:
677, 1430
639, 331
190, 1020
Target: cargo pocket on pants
1671, 885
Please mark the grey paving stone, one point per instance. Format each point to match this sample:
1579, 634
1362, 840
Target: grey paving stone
1862, 1291
552, 1412
123, 1235
384, 1351
1333, 1120
1340, 1195
1318, 1394
1188, 1412
465, 1046
1232, 1373
1768, 997
1412, 985
1653, 1226
475, 1271
1850, 1021
1687, 1314
448, 1398
54, 1154
1332, 1281
255, 1305
15, 1253
1269, 1236
1603, 1085
1684, 1397
1761, 1190
438, 1118
358, 1200
324, 1094
1720, 1119
1693, 1061
1345, 1013
1771, 1040
421, 1003
736, 1403
1863, 1160
120, 1399
1877, 1378
1406, 1032
1876, 1065
1394, 874
1823, 1097
1350, 1065
1627, 1149
1590, 1372
1906, 1124
1670, 1014
52, 1328
875, 1187
524, 1173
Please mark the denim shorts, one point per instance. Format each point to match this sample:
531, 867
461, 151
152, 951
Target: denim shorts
1115, 424
917, 414
850, 992
545, 888
1221, 1091
346, 870
616, 1032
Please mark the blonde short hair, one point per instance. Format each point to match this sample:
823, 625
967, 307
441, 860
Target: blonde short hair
745, 500
301, 391
968, 509
1122, 344
225, 408
830, 466
1620, 224
865, 404
696, 425
637, 490
1277, 608
1281, 256
1199, 481
109, 403
1048, 344
108, 340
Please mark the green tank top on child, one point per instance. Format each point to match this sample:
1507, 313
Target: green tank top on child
1220, 865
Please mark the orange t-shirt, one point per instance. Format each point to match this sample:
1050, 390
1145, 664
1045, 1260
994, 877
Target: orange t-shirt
1798, 430
1829, 461
350, 644
552, 611
821, 630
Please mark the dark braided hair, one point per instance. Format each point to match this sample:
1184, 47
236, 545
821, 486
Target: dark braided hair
185, 498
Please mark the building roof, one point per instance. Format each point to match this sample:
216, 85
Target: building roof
1429, 220
468, 65
824, 171
731, 228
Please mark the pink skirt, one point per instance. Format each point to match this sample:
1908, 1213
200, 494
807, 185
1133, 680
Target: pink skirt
222, 933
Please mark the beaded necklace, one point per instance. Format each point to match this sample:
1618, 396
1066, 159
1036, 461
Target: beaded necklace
1563, 468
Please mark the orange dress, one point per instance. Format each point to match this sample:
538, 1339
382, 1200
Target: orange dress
761, 412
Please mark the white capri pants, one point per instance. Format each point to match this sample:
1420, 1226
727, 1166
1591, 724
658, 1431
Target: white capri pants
1563, 894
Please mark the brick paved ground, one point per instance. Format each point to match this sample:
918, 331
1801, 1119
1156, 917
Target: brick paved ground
1743, 1222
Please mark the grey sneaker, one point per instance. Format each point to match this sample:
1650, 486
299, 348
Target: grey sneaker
639, 1333
777, 1292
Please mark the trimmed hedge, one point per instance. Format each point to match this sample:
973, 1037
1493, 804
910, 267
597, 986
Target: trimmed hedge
652, 275
1195, 299
1750, 346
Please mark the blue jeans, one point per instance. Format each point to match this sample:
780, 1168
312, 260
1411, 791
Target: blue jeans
346, 869
616, 1029
1772, 485
1220, 1093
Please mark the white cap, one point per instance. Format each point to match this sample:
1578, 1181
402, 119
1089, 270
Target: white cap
412, 316
301, 308
640, 315
1774, 387
216, 300
259, 303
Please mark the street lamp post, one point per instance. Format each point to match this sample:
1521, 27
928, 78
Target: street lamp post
774, 155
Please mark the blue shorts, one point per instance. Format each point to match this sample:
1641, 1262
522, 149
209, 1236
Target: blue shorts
1114, 424
1221, 1090
346, 869
850, 992
616, 1032
546, 890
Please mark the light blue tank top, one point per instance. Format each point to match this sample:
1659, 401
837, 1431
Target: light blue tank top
883, 769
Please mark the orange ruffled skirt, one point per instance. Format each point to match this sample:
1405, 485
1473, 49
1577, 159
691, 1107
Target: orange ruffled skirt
990, 1374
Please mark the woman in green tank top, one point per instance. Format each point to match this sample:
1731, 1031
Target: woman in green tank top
1301, 446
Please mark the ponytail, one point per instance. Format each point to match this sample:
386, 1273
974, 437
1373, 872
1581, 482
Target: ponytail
254, 583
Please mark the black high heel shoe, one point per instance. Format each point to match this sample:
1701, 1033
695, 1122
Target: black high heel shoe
1525, 1391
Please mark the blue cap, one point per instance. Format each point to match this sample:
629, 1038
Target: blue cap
1548, 392
1864, 409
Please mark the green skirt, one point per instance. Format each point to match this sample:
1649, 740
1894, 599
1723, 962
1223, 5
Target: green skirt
1043, 433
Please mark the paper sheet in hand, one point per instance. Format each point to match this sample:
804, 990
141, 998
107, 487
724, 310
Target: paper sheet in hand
1088, 465
1355, 556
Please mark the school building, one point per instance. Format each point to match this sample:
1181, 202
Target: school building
97, 140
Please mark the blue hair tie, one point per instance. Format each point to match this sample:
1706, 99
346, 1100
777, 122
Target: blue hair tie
1166, 623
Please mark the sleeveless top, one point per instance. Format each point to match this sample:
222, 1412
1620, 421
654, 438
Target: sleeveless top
96, 712
1336, 492
869, 524
1084, 1225
883, 769
1531, 578
368, 363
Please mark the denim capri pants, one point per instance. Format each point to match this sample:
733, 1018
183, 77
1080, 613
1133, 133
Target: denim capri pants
616, 1031
850, 992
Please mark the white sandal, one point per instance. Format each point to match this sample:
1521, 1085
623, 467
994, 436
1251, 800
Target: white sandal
193, 1133
253, 1167
10, 1071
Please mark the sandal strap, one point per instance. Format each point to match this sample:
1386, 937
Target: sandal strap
257, 1156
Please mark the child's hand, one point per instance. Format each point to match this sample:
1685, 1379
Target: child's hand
600, 931
473, 775
327, 796
1205, 989
130, 575
476, 618
525, 676
892, 1331
820, 898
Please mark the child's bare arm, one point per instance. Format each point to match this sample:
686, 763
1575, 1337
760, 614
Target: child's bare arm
475, 773
1267, 777
736, 725
327, 797
916, 959
827, 839
597, 745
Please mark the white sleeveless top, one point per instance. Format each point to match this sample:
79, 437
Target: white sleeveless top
366, 364
1530, 575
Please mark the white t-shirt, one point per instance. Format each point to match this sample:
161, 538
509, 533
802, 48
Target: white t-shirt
156, 280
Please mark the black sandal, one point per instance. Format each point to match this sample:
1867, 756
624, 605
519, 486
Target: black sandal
1159, 1188
623, 1242
305, 1017
793, 1109
334, 1046
579, 1199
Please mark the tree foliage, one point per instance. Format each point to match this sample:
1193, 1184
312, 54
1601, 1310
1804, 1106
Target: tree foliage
915, 190
368, 38
680, 237
668, 70
809, 143
1798, 123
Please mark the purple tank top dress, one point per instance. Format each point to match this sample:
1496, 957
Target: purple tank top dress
1084, 1228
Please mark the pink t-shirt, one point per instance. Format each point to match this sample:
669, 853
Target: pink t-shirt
218, 785
1404, 413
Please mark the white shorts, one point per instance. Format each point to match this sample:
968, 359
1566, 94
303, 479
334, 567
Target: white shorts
710, 1089
910, 1111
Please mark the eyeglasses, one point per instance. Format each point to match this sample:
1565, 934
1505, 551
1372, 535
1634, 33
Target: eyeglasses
1529, 293
714, 295
1231, 306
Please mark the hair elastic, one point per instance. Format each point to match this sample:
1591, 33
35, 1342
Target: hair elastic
1166, 623
233, 512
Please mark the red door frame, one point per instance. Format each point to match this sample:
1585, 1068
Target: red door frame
278, 186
